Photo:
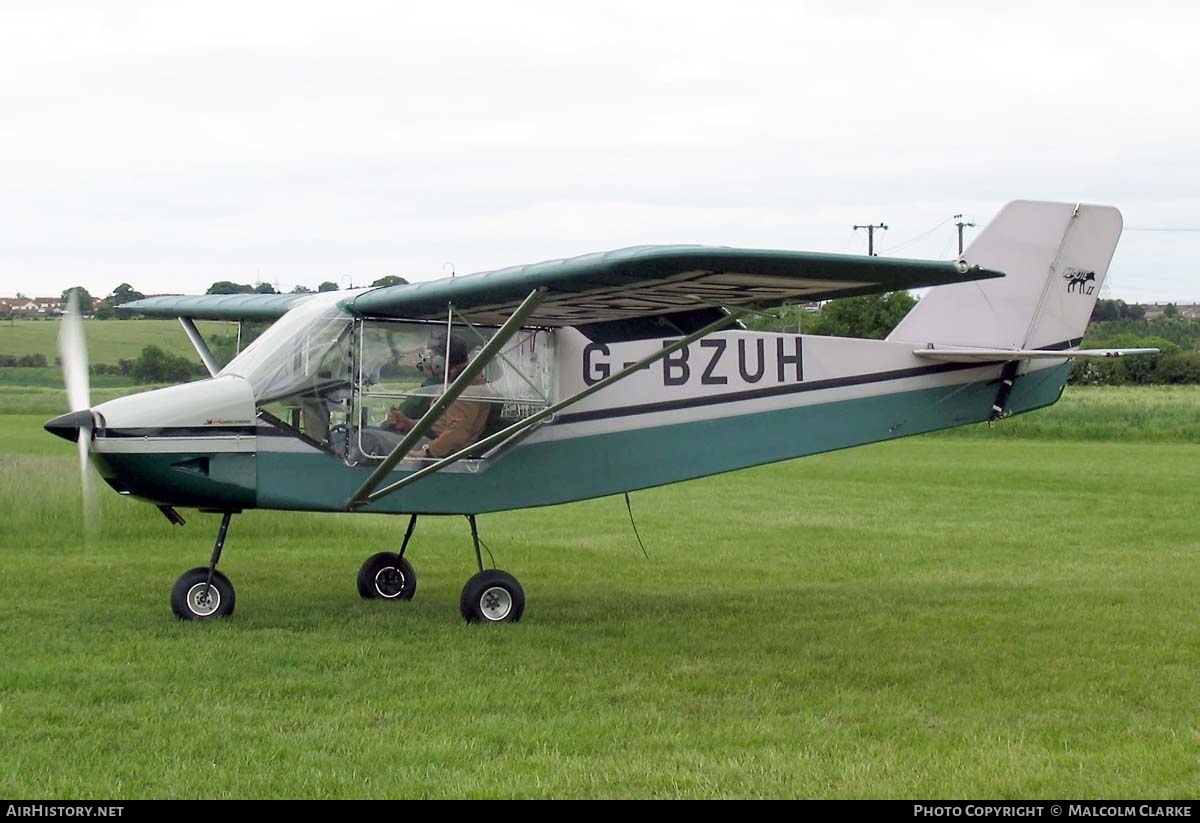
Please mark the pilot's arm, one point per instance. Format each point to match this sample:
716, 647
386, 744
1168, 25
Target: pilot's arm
398, 421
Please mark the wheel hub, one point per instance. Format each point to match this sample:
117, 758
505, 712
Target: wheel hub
495, 603
203, 599
389, 582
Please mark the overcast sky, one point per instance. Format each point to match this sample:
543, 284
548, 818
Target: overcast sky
170, 145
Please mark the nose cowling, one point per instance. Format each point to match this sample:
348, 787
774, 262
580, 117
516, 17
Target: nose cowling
68, 426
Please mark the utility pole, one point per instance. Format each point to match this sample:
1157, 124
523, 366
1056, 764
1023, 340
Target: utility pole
960, 225
871, 235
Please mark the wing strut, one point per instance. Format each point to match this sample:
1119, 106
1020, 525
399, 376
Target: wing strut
460, 384
486, 443
200, 346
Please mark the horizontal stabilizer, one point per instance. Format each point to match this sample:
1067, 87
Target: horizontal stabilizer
953, 355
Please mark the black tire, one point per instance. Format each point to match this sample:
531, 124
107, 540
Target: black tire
189, 600
387, 576
492, 596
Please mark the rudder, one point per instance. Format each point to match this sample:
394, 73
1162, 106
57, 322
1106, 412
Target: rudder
1054, 256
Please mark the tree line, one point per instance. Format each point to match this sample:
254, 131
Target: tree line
105, 308
1115, 324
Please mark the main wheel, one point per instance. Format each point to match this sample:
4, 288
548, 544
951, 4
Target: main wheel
492, 596
387, 576
193, 599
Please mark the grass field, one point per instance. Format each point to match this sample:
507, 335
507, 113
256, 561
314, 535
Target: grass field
934, 617
108, 341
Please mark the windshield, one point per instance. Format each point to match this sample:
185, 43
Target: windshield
306, 349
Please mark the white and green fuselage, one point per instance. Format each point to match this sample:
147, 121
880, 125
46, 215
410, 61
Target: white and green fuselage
733, 400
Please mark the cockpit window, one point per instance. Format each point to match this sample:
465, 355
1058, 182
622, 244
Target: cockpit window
301, 369
355, 387
405, 367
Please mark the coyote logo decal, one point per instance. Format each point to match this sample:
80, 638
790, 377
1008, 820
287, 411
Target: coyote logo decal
1079, 280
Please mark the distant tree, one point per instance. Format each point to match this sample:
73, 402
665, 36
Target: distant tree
157, 366
229, 287
390, 280
327, 286
302, 290
1105, 310
86, 302
1171, 310
124, 293
265, 288
872, 316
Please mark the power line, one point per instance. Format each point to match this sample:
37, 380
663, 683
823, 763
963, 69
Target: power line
871, 227
920, 236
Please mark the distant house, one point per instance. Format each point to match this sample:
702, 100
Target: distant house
19, 306
48, 305
1189, 312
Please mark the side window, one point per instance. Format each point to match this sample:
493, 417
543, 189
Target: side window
308, 389
403, 368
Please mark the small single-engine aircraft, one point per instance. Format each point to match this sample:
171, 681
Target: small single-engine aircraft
577, 378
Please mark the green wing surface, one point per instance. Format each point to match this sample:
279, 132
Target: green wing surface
217, 306
644, 281
655, 280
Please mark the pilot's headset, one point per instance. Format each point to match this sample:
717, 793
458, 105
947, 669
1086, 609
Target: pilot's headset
431, 362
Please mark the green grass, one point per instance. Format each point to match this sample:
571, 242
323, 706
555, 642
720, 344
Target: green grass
47, 402
108, 341
1105, 413
52, 377
933, 617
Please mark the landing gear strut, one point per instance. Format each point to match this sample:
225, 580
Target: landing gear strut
491, 595
203, 593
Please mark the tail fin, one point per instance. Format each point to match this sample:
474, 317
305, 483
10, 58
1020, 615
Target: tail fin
1054, 256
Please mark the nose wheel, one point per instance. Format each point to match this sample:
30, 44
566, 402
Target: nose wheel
195, 598
203, 593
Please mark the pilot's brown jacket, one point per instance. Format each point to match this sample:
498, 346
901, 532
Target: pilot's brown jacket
460, 425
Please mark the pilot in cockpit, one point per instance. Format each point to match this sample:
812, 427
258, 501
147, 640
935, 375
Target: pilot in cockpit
463, 422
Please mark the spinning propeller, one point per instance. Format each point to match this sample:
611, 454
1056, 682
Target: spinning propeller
78, 425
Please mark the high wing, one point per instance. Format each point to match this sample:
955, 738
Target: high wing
609, 289
653, 281
216, 306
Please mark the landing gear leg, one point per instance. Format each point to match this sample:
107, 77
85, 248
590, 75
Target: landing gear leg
203, 593
492, 595
389, 576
